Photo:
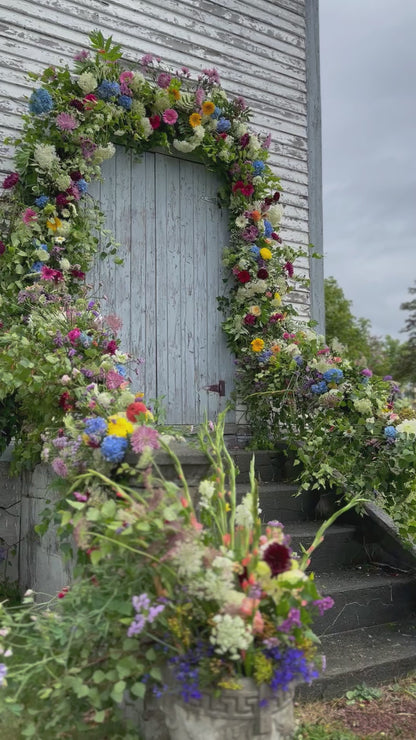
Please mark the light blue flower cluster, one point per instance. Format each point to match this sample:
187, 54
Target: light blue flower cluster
217, 112
125, 101
41, 201
95, 425
40, 102
268, 228
223, 125
333, 375
82, 185
107, 90
258, 167
319, 388
113, 448
390, 432
255, 250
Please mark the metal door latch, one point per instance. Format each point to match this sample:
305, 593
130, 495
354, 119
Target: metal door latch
218, 388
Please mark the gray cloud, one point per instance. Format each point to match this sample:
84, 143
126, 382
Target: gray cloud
368, 68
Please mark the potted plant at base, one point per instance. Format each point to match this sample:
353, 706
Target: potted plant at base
187, 602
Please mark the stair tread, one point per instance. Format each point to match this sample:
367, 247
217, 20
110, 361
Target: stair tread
368, 647
354, 579
269, 486
309, 529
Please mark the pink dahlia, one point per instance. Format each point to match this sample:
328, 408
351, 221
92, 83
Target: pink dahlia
143, 437
164, 80
126, 75
29, 216
170, 116
48, 273
66, 122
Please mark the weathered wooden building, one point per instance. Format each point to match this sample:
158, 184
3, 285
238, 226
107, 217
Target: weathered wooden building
266, 51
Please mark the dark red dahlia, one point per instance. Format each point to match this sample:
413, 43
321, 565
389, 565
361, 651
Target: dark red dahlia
61, 200
249, 319
276, 196
2, 248
289, 268
77, 274
262, 274
65, 401
244, 276
277, 558
78, 104
244, 141
11, 180
111, 347
75, 175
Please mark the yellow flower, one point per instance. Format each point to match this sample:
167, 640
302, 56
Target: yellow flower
265, 253
53, 224
119, 426
255, 310
208, 107
257, 345
195, 120
277, 298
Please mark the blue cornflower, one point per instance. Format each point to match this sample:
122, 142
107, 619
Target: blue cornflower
36, 267
41, 201
390, 432
333, 375
95, 425
268, 228
125, 101
299, 360
217, 112
265, 355
82, 185
223, 125
258, 167
319, 388
40, 102
255, 250
113, 448
108, 90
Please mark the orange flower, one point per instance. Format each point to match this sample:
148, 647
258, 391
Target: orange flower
53, 224
208, 107
175, 92
275, 349
255, 215
195, 119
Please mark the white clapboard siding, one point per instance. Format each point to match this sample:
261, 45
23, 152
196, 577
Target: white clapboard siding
258, 46
163, 210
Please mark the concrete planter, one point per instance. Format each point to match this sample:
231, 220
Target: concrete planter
235, 714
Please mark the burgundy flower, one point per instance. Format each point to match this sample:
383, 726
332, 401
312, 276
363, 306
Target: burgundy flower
65, 401
155, 122
276, 317
61, 200
89, 101
250, 319
276, 196
11, 180
277, 558
244, 276
78, 274
111, 347
2, 248
262, 274
244, 141
276, 237
289, 268
47, 273
245, 189
75, 175
78, 104
268, 201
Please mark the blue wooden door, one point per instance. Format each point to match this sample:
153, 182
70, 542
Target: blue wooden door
163, 211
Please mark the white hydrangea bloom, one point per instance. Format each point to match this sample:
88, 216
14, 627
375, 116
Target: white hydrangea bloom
138, 108
240, 129
363, 406
146, 127
87, 82
184, 146
104, 399
408, 426
230, 634
63, 181
64, 264
206, 491
162, 101
104, 152
274, 214
136, 82
45, 156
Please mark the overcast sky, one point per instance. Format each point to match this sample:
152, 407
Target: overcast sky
368, 85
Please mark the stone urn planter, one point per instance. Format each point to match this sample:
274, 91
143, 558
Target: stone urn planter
250, 713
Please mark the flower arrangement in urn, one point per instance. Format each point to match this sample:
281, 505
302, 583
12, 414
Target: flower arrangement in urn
178, 593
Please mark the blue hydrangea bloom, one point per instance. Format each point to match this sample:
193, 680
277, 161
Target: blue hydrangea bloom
41, 201
40, 102
113, 448
299, 360
333, 375
319, 388
36, 267
217, 112
390, 432
265, 355
255, 250
268, 228
258, 166
108, 89
125, 101
223, 125
95, 425
82, 185
121, 370
44, 247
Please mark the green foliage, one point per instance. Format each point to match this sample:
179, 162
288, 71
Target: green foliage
322, 732
362, 694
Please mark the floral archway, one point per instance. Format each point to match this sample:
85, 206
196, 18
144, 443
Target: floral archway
50, 223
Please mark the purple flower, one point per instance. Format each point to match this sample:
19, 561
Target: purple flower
81, 56
66, 122
164, 80
367, 372
292, 620
143, 437
250, 233
140, 602
60, 467
3, 673
11, 180
324, 604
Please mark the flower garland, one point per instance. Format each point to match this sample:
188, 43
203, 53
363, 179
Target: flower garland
75, 119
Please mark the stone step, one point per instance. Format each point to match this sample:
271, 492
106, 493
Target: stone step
279, 501
371, 655
364, 598
341, 546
